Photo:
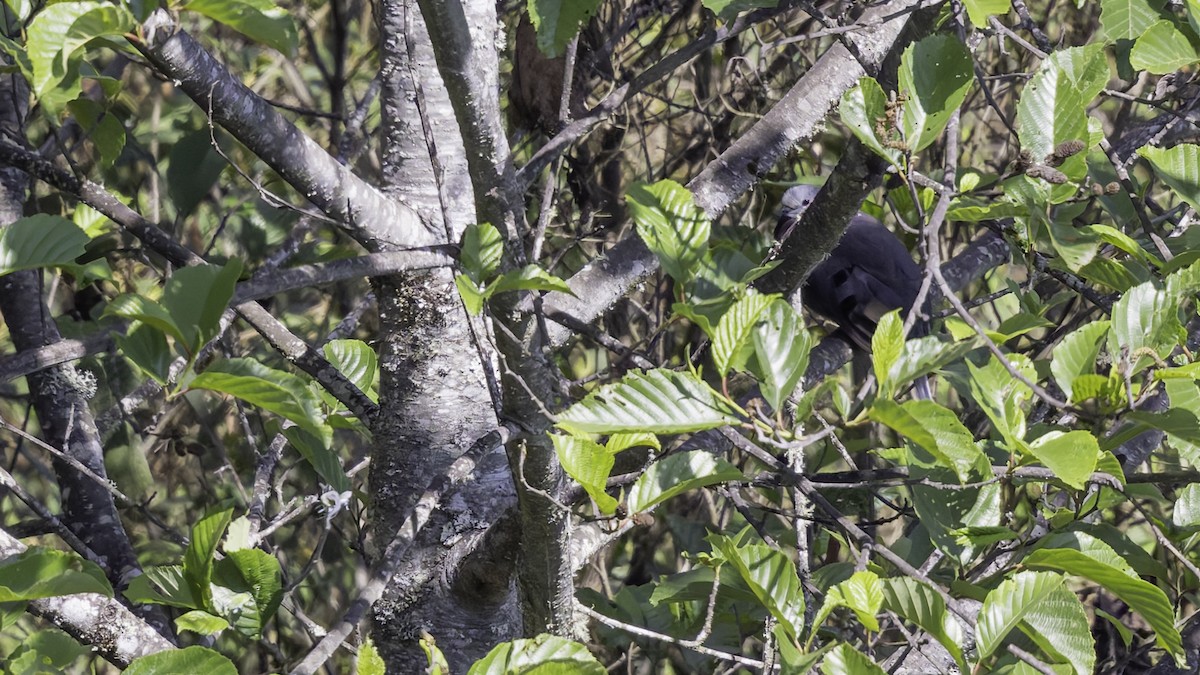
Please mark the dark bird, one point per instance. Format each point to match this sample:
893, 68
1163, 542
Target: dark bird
868, 274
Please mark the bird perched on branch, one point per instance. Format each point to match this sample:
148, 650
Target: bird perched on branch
868, 274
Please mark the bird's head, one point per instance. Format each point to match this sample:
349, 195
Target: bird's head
794, 203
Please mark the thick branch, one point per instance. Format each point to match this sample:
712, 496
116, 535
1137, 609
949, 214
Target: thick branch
374, 220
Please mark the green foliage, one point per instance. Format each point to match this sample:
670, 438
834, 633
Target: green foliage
44, 573
186, 660
542, 654
482, 254
40, 241
557, 21
259, 20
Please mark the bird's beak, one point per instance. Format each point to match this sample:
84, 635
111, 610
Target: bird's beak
787, 223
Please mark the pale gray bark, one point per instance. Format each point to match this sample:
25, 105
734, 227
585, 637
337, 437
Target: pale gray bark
435, 399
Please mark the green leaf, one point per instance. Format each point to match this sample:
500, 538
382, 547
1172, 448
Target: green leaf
482, 251
43, 573
198, 559
862, 593
770, 575
1059, 625
1145, 598
1076, 354
732, 338
1005, 607
529, 278
1053, 106
259, 20
357, 361
677, 474
196, 297
659, 402
846, 660
1071, 456
1178, 167
320, 456
618, 442
936, 429
1145, 317
1002, 396
979, 11
472, 296
886, 345
256, 574
140, 308
162, 585
781, 349
1162, 49
273, 390
920, 604
200, 621
187, 660
671, 225
369, 662
40, 241
193, 166
544, 653
935, 73
102, 127
590, 464
864, 109
1127, 19
1187, 507
59, 30
557, 21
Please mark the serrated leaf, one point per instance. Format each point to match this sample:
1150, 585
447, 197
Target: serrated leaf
186, 660
781, 349
42, 573
162, 585
255, 573
196, 297
1071, 456
1146, 599
200, 621
1187, 507
1178, 167
671, 225
557, 21
357, 361
731, 342
846, 660
259, 20
472, 295
590, 464
102, 127
150, 313
529, 278
864, 110
1076, 354
677, 474
198, 559
935, 73
60, 29
862, 593
1162, 49
544, 652
886, 345
770, 575
1059, 625
279, 392
40, 240
1007, 605
936, 429
921, 605
1127, 19
482, 251
1145, 317
369, 662
1002, 396
623, 441
659, 402
315, 449
1053, 106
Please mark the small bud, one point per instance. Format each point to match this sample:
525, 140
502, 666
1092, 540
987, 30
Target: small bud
1112, 188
